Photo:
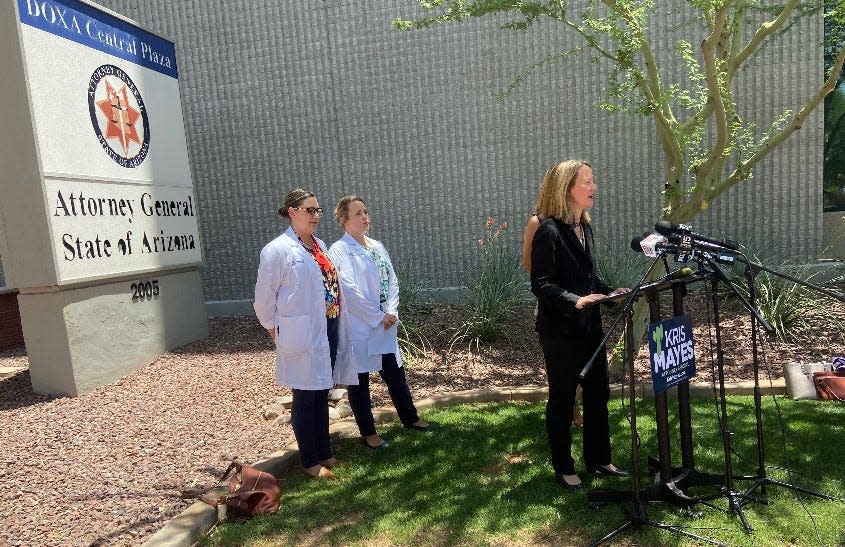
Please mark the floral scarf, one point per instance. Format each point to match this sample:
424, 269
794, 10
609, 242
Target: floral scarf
331, 280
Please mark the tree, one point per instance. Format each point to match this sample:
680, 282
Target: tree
707, 146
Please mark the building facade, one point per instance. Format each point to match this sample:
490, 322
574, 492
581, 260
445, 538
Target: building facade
328, 96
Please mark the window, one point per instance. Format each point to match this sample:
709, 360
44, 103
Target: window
834, 120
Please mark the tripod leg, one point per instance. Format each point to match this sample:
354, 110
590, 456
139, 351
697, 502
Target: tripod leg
682, 532
774, 482
736, 507
614, 532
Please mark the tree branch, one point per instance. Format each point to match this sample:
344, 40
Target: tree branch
763, 31
715, 100
742, 170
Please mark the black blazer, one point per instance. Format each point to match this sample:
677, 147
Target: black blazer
562, 271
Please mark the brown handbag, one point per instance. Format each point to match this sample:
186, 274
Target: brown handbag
250, 492
830, 385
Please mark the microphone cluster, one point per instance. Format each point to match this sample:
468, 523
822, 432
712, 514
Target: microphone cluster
680, 241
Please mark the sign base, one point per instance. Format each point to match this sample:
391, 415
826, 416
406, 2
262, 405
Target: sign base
80, 339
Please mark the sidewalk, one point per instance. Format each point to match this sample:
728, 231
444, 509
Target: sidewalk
199, 518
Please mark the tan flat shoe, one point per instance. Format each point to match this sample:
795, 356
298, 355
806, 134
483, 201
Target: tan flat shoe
331, 463
318, 472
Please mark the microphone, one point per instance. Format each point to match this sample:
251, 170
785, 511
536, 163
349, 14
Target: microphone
686, 271
666, 228
652, 245
688, 240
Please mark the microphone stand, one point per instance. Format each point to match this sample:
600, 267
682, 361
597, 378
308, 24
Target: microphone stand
636, 514
734, 497
626, 306
762, 480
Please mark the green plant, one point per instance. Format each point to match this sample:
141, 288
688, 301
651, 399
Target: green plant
497, 287
410, 289
618, 268
412, 340
786, 305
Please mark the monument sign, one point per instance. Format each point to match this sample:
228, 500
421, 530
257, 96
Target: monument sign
98, 217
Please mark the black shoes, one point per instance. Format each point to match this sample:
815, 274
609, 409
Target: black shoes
384, 444
428, 427
559, 478
605, 471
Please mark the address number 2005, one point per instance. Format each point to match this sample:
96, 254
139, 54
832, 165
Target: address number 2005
144, 290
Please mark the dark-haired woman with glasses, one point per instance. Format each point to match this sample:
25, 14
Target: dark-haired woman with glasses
371, 292
298, 300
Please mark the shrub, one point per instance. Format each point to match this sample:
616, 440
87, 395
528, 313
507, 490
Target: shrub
410, 289
412, 340
786, 305
618, 268
497, 287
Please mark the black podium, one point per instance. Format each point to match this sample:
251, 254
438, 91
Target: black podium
669, 484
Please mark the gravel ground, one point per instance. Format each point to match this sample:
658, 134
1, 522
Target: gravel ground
107, 468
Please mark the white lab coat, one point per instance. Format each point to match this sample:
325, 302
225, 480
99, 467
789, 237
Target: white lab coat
290, 297
359, 278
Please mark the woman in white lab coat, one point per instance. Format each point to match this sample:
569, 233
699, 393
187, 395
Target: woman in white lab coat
298, 300
371, 293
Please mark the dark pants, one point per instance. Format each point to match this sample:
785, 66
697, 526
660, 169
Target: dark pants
309, 414
565, 357
397, 386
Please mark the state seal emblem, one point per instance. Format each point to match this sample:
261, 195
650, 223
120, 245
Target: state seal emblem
119, 116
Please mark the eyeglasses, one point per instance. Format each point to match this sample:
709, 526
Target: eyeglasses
311, 210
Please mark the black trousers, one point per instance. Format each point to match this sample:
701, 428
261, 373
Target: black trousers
565, 357
309, 413
397, 386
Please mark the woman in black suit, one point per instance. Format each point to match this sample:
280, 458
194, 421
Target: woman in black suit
564, 280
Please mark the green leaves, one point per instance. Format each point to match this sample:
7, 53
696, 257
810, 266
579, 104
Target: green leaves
709, 146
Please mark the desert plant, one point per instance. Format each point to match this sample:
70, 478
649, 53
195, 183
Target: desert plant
497, 287
786, 305
413, 342
618, 268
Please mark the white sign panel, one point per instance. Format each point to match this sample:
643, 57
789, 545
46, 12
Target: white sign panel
102, 229
111, 140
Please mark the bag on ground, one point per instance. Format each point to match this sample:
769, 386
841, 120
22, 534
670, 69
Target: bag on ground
250, 492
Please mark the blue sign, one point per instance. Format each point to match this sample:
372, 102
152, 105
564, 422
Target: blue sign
671, 352
86, 25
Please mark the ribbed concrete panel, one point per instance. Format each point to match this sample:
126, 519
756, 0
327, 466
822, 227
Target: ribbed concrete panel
328, 96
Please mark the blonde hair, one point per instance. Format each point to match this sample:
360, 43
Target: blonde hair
553, 199
293, 199
341, 212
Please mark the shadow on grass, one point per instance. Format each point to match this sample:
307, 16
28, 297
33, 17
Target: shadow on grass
484, 478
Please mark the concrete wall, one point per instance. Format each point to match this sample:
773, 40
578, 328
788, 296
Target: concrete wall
328, 96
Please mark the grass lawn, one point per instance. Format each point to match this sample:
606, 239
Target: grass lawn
484, 478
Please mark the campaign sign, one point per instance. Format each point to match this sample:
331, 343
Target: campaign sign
671, 352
